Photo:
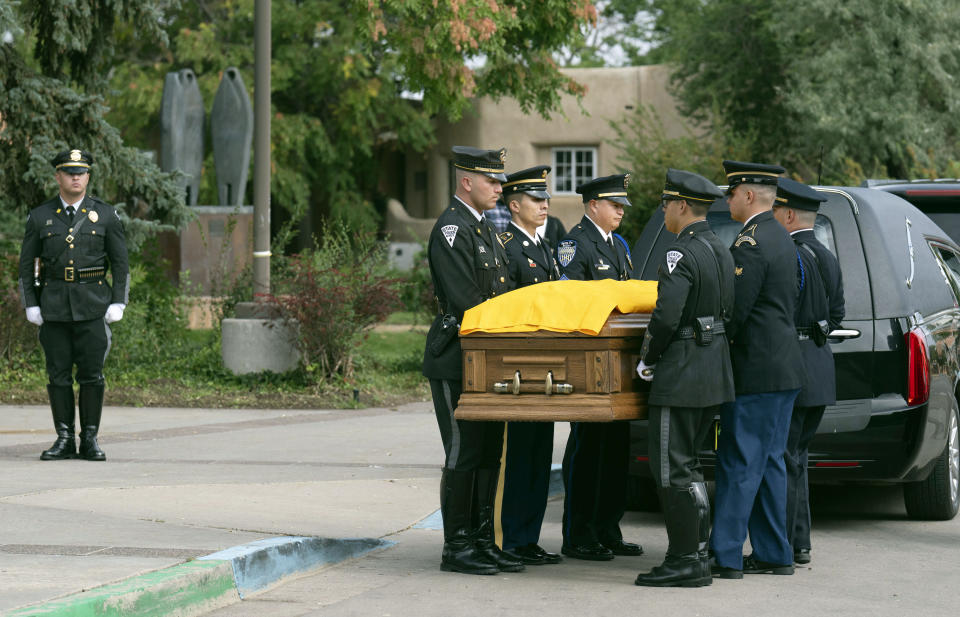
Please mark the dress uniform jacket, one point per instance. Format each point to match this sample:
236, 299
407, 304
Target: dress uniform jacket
596, 458
585, 256
75, 257
694, 281
528, 263
467, 265
763, 338
821, 298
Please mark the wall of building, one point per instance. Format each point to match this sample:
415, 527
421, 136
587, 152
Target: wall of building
530, 139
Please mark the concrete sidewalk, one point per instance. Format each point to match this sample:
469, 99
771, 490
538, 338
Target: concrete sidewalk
181, 484
329, 513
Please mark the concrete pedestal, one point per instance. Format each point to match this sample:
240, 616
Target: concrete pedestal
256, 341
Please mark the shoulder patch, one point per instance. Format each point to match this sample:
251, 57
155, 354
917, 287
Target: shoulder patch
505, 237
566, 250
450, 233
745, 240
673, 258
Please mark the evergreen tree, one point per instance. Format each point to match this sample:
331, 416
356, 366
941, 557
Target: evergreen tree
54, 57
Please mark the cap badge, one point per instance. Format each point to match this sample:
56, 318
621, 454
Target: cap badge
503, 155
75, 155
544, 176
626, 180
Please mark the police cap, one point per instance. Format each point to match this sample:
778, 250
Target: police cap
739, 172
689, 186
798, 195
486, 162
531, 181
612, 187
73, 161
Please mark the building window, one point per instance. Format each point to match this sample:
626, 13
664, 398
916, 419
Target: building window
572, 167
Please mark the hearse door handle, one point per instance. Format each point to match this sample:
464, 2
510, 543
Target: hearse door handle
843, 334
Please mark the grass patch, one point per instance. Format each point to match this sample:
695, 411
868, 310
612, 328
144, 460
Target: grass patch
188, 372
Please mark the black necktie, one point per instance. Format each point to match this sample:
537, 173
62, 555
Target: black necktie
610, 244
70, 212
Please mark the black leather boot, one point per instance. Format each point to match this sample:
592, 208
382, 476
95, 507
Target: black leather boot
91, 406
460, 553
486, 545
702, 500
681, 565
61, 405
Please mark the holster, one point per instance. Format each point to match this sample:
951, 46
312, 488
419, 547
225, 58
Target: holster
442, 331
820, 332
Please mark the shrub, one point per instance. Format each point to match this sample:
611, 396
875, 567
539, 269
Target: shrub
334, 294
416, 292
18, 337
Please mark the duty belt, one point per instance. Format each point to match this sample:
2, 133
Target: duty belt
687, 331
73, 275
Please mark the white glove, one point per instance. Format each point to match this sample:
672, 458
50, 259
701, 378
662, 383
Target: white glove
34, 316
645, 371
114, 313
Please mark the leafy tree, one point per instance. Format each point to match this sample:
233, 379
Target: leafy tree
353, 80
873, 84
53, 56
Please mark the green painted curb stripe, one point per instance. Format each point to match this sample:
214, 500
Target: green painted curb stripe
187, 589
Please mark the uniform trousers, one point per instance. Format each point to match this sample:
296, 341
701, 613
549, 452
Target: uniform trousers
81, 343
803, 427
752, 480
467, 444
676, 435
595, 469
529, 453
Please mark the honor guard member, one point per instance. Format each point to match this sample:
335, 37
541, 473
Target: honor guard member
528, 451
767, 371
70, 243
467, 266
820, 309
687, 358
597, 455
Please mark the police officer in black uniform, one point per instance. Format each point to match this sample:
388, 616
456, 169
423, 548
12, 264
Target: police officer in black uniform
820, 309
70, 244
528, 450
467, 265
767, 371
596, 458
687, 358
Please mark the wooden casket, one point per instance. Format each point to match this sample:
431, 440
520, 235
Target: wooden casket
550, 377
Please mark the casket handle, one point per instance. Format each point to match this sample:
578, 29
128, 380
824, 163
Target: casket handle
517, 386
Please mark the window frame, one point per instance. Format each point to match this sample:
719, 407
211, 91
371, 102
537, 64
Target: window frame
574, 181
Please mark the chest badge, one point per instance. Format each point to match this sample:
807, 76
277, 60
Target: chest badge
49, 221
482, 250
601, 265
93, 216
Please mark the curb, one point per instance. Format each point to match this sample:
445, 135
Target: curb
206, 583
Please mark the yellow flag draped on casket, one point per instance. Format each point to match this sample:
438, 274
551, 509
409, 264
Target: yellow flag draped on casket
560, 306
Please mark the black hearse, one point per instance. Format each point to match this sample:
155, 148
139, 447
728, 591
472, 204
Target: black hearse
896, 355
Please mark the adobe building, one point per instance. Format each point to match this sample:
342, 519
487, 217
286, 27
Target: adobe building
578, 142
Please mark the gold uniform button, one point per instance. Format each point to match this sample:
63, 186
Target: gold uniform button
99, 282
71, 246
486, 265
94, 232
70, 230
501, 279
71, 262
